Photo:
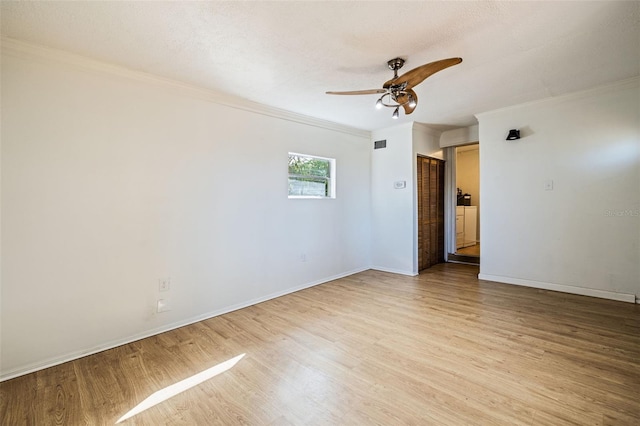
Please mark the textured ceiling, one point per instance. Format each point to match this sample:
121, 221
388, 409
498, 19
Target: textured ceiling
287, 54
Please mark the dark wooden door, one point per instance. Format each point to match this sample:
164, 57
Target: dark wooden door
430, 212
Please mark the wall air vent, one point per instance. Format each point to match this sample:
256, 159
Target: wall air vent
380, 144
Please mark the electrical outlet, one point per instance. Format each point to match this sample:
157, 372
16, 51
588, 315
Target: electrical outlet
163, 305
164, 284
303, 257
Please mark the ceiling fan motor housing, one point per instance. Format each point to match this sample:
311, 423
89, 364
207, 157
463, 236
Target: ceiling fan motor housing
395, 65
398, 92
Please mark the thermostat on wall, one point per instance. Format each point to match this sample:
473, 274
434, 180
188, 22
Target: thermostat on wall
399, 184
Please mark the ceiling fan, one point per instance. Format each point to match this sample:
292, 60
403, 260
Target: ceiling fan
398, 92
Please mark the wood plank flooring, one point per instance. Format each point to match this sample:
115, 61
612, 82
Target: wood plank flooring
473, 250
442, 348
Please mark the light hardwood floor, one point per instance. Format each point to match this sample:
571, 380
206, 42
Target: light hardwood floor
374, 348
473, 250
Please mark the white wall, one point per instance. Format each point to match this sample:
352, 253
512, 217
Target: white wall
394, 211
426, 142
110, 182
584, 235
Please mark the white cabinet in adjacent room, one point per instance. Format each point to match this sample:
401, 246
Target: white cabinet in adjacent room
459, 226
466, 225
470, 223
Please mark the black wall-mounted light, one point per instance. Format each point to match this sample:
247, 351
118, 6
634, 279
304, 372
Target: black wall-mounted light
513, 135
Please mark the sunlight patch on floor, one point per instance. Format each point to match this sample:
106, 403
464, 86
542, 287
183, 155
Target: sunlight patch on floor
181, 386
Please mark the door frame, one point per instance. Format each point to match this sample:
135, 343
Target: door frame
451, 203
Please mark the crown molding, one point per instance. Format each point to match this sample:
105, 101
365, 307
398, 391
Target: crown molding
25, 50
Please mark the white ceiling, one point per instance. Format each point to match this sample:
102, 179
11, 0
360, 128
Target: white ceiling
287, 54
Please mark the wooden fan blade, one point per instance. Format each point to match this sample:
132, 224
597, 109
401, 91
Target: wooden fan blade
359, 92
408, 109
418, 75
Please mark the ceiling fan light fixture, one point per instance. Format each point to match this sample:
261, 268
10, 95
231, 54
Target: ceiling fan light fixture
399, 89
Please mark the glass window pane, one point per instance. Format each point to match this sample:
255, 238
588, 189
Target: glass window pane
308, 187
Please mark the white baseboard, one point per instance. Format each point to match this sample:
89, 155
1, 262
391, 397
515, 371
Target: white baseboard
583, 291
51, 362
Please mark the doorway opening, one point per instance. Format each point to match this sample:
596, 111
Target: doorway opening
467, 208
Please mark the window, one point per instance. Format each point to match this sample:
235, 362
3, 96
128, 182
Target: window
311, 177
